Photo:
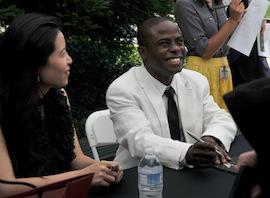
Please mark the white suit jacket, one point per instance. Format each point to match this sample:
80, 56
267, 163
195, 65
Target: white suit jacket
140, 120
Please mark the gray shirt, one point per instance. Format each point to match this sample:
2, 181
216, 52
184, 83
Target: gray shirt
199, 23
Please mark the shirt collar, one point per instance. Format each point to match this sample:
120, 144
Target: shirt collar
159, 85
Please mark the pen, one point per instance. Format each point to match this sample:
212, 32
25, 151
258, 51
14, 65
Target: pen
200, 140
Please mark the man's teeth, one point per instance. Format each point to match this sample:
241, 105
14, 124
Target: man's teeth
174, 59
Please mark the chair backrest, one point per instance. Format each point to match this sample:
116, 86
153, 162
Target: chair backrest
99, 131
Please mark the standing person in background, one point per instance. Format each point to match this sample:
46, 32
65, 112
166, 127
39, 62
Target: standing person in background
247, 68
206, 30
38, 141
139, 109
249, 105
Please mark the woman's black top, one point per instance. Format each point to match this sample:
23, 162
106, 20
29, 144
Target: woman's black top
45, 146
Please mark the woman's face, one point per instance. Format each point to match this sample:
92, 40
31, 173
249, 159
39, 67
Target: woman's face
57, 69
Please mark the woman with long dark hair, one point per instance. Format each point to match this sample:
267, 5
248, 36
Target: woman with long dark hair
38, 141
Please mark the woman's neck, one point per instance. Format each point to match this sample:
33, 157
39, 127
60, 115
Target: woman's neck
42, 90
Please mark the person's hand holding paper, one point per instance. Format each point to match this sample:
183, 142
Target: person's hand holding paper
246, 32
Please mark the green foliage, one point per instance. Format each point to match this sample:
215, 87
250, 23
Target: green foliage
267, 15
83, 16
97, 20
94, 68
8, 12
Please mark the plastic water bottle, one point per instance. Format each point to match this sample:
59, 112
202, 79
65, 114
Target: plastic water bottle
150, 175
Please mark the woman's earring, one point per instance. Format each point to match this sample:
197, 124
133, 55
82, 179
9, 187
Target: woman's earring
38, 78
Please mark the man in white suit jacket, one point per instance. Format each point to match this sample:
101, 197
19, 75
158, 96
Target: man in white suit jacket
138, 106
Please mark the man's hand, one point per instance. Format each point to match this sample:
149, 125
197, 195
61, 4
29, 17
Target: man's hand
219, 148
201, 155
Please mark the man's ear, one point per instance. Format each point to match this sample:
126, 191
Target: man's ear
142, 52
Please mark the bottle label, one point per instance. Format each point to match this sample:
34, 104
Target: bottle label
151, 179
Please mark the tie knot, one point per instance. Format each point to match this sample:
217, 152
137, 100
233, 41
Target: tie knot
169, 92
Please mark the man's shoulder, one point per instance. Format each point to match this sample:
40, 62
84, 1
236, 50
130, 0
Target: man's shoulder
126, 78
192, 78
125, 75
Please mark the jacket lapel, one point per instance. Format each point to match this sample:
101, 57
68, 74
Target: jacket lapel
185, 101
156, 101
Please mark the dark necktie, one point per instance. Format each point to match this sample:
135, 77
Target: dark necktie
173, 118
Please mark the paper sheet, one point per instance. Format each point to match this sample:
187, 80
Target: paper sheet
246, 32
263, 42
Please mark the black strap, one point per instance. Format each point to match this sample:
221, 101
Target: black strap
20, 183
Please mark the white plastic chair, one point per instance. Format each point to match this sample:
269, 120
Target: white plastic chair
99, 131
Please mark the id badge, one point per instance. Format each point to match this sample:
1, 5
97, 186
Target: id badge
224, 73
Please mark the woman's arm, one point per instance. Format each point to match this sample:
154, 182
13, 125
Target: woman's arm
7, 174
199, 33
237, 10
81, 165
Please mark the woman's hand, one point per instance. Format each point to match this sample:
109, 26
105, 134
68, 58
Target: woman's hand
104, 174
248, 158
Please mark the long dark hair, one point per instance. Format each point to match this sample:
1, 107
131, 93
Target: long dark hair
24, 48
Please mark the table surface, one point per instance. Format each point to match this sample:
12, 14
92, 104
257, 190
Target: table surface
186, 183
